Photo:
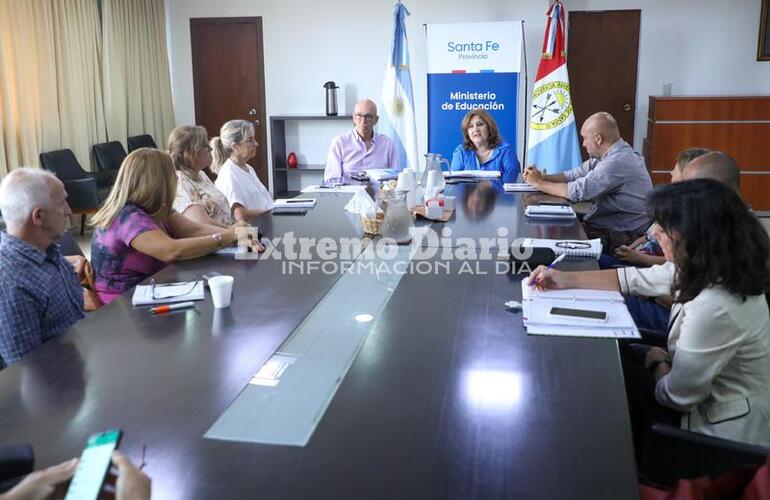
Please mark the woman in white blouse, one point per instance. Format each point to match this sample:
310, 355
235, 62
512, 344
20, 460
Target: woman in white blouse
234, 147
715, 373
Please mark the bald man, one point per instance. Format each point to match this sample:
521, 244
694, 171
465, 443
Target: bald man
714, 165
361, 148
614, 178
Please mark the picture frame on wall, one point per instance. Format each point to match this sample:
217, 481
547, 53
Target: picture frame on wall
763, 50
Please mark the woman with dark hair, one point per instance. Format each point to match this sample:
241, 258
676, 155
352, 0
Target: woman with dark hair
483, 148
715, 375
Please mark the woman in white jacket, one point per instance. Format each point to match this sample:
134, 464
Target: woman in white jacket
716, 371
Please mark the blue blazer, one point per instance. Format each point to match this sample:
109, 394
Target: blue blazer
503, 159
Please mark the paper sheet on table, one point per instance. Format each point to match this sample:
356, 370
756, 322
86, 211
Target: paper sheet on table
166, 293
476, 174
520, 187
337, 189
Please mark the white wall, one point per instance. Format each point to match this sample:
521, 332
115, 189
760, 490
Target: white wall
700, 46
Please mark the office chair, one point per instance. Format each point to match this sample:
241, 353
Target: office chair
141, 141
82, 190
671, 453
108, 157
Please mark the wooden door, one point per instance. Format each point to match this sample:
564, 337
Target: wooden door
602, 52
229, 77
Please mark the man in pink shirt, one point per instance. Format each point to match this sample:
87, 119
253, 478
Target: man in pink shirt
361, 148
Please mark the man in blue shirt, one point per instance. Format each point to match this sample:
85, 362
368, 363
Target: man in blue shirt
40, 296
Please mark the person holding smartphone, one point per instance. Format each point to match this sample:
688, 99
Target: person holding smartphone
131, 483
714, 376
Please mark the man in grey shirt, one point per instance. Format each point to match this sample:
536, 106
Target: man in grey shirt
614, 178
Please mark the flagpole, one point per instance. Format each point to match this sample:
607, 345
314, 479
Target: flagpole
523, 164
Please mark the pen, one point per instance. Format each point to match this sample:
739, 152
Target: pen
550, 266
171, 307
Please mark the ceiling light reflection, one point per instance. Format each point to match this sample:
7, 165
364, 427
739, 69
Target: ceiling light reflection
363, 318
492, 389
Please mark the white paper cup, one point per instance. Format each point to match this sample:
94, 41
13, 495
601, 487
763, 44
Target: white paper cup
221, 290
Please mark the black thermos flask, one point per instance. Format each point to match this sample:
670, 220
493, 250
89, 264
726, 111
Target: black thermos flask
331, 98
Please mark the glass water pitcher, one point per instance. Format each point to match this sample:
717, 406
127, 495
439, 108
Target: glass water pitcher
397, 223
433, 162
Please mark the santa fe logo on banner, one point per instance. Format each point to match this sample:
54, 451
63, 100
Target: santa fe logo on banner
472, 65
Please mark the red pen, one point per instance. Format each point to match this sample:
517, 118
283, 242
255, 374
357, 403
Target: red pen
171, 307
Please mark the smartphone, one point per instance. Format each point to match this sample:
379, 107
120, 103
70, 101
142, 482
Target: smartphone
93, 466
586, 314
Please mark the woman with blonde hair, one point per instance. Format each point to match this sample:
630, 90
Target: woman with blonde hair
138, 232
234, 147
483, 148
197, 197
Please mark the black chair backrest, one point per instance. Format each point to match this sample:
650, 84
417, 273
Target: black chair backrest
671, 454
64, 164
141, 141
68, 245
109, 155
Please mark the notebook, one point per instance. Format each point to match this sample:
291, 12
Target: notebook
167, 293
295, 203
538, 320
519, 187
571, 248
550, 212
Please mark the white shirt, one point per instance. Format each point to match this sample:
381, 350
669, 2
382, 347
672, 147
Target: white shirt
243, 187
720, 373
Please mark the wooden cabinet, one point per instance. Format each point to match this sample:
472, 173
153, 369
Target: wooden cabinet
737, 125
313, 133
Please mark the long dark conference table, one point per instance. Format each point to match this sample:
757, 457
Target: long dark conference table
407, 422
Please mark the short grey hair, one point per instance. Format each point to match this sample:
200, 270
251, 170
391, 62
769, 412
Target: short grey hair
23, 190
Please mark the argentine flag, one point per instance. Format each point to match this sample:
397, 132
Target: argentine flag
397, 97
553, 140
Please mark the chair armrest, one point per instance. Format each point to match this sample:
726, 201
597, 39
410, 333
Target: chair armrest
671, 453
82, 194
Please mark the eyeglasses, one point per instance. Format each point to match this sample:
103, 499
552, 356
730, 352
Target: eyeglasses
367, 116
189, 287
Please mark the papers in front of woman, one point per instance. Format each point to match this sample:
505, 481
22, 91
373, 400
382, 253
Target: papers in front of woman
520, 187
475, 174
382, 174
571, 248
550, 212
294, 204
538, 320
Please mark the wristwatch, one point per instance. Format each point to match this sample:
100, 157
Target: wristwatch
218, 238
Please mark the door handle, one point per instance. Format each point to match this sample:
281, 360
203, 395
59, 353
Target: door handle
626, 107
253, 112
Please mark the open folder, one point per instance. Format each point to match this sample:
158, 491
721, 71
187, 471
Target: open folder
167, 293
538, 320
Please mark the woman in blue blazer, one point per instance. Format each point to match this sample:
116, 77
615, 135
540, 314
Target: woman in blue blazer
483, 148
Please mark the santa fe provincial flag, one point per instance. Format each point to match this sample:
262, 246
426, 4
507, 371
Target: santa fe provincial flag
553, 140
397, 97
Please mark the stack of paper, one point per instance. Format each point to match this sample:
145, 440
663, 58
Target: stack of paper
382, 174
293, 206
538, 320
520, 187
550, 212
475, 174
166, 293
572, 248
320, 188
